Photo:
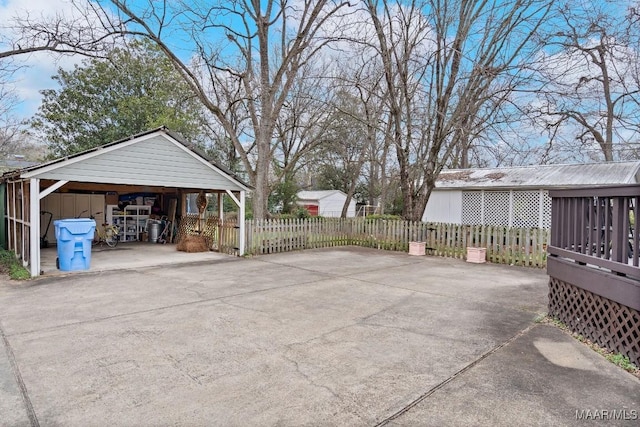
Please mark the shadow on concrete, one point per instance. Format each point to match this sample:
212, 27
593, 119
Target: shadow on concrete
127, 256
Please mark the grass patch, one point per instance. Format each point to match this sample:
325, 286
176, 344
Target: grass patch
11, 266
616, 358
540, 318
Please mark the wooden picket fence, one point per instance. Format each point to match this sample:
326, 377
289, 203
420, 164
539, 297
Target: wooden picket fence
516, 246
273, 235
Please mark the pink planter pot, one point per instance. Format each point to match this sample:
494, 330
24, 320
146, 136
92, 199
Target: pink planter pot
477, 255
417, 248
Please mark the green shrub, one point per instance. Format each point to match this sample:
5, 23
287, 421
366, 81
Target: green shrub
387, 217
10, 265
299, 213
18, 272
302, 213
284, 216
6, 257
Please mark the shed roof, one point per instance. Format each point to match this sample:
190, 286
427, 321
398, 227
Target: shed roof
318, 194
11, 165
542, 176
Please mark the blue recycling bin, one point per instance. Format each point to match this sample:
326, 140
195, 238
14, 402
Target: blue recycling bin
74, 237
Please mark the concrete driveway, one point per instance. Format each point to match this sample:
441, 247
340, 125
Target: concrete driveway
344, 336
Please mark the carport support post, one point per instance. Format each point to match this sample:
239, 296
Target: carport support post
241, 223
34, 226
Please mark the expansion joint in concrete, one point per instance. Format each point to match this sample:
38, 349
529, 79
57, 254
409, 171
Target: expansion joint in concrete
33, 419
452, 377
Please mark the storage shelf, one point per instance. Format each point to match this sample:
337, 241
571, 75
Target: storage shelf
132, 220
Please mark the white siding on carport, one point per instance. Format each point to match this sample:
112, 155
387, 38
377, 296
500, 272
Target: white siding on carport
444, 206
155, 161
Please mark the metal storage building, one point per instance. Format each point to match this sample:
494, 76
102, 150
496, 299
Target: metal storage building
516, 196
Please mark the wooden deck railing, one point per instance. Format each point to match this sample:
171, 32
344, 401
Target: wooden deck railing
597, 227
593, 265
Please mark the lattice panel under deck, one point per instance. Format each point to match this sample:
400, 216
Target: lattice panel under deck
608, 323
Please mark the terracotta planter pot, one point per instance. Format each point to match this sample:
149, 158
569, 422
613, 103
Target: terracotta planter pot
416, 248
477, 255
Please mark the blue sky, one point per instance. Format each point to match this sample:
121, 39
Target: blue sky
38, 68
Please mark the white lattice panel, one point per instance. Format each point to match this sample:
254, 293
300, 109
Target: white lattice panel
526, 208
471, 207
496, 208
546, 210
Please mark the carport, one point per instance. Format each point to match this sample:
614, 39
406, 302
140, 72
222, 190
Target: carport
157, 161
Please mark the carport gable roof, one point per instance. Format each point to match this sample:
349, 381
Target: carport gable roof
157, 158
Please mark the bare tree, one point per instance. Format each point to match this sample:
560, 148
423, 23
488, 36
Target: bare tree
10, 133
354, 156
495, 131
589, 96
88, 30
304, 121
371, 116
344, 150
259, 46
29, 34
442, 61
252, 50
15, 142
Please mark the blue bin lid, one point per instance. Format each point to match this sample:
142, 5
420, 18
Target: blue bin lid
76, 225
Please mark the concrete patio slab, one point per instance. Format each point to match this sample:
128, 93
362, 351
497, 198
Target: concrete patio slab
342, 336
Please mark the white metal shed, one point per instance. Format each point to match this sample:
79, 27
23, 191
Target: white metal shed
516, 196
152, 160
329, 203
